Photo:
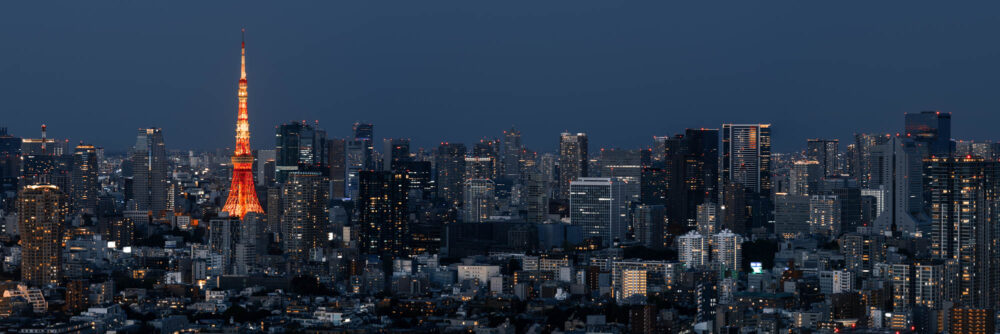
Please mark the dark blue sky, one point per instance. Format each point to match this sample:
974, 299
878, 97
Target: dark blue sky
433, 71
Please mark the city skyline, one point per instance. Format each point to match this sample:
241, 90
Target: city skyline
655, 78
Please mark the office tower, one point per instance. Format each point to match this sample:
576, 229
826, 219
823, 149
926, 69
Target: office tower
746, 164
300, 146
931, 131
659, 148
421, 178
83, 190
396, 152
803, 175
306, 219
365, 132
510, 154
337, 160
224, 233
488, 153
626, 166
598, 206
480, 200
897, 167
478, 168
863, 163
572, 160
242, 190
707, 218
274, 210
727, 250
648, 222
149, 171
849, 196
10, 169
964, 196
536, 198
41, 210
791, 215
861, 252
824, 215
693, 249
450, 164
653, 187
265, 166
701, 166
824, 151
355, 160
383, 219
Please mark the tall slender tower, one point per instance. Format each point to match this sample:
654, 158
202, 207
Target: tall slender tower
242, 194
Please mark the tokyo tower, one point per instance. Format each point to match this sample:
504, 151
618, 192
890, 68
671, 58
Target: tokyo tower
242, 194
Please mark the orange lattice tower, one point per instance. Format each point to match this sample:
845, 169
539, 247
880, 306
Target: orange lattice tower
242, 194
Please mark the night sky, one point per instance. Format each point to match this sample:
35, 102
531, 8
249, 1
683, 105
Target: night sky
433, 71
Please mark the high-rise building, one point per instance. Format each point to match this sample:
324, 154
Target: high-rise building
626, 166
365, 132
653, 187
804, 174
824, 215
598, 206
573, 160
41, 211
300, 146
305, 220
337, 160
964, 198
242, 190
897, 167
931, 131
648, 222
385, 228
355, 161
862, 159
746, 163
727, 250
791, 215
450, 164
825, 152
396, 152
536, 198
83, 190
693, 249
480, 200
149, 171
707, 218
10, 169
510, 154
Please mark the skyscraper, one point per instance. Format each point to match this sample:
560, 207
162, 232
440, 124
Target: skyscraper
897, 167
385, 228
41, 210
305, 220
510, 154
365, 132
300, 146
824, 152
396, 152
337, 160
480, 200
691, 164
693, 249
931, 130
598, 206
149, 171
648, 222
572, 160
85, 185
449, 161
10, 169
242, 190
536, 198
746, 171
727, 250
965, 212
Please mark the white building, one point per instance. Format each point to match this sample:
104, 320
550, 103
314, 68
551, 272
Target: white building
728, 250
693, 249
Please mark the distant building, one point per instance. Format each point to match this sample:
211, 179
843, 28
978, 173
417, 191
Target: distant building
41, 209
727, 250
305, 221
85, 184
598, 206
648, 222
573, 160
383, 217
449, 161
149, 171
480, 200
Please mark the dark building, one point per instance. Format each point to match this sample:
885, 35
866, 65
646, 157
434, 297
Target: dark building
746, 171
365, 133
450, 165
300, 146
691, 163
336, 159
825, 152
931, 130
10, 169
397, 153
83, 190
382, 205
